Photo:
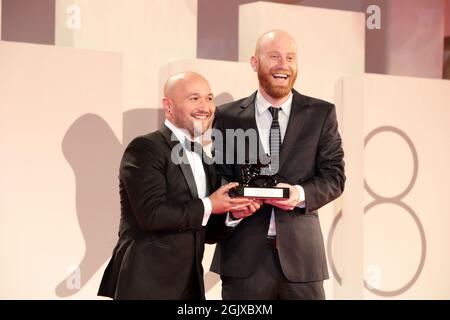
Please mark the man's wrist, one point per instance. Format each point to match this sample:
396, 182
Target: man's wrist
301, 196
232, 217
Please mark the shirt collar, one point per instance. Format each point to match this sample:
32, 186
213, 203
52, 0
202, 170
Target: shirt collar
262, 104
180, 133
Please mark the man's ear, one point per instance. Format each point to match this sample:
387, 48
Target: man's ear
166, 105
254, 62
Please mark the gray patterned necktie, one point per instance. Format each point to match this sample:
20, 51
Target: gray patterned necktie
274, 140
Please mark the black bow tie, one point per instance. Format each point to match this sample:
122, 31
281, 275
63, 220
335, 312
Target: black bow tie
193, 146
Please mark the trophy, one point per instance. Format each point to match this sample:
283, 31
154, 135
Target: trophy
257, 184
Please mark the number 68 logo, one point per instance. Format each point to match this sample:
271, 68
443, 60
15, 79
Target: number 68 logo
395, 200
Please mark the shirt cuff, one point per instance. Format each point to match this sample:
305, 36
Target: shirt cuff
301, 197
208, 209
231, 223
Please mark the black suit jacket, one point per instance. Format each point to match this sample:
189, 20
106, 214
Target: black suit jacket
311, 156
161, 237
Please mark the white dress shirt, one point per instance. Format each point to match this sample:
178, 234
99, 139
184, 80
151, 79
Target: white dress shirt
264, 121
196, 164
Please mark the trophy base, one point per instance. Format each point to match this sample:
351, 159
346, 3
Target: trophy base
260, 192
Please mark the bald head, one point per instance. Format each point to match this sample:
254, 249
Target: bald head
274, 37
179, 81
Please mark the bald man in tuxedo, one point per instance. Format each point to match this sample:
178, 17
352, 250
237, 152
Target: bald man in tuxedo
167, 200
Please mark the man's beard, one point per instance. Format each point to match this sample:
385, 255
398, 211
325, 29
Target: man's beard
275, 91
198, 126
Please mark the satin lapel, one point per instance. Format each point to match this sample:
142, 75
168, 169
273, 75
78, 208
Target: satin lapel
210, 176
182, 160
297, 120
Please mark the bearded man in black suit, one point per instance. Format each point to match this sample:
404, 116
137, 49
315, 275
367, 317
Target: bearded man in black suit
278, 251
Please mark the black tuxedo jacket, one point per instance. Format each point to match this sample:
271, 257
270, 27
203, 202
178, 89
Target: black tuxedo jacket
311, 155
161, 238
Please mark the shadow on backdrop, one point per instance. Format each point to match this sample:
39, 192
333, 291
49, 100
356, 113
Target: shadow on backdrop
93, 151
222, 98
137, 122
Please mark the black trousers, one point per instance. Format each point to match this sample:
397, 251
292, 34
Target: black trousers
192, 289
268, 282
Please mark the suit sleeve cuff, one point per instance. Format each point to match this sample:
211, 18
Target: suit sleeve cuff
230, 222
301, 198
207, 212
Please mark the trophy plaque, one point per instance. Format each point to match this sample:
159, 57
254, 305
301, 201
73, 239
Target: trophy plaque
256, 184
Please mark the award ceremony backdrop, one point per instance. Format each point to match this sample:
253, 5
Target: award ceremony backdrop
70, 102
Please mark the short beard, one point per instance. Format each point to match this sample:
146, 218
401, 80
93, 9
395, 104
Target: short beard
198, 128
275, 92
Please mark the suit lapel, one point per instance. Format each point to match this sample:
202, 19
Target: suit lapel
297, 120
247, 120
210, 176
246, 114
189, 177
182, 160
